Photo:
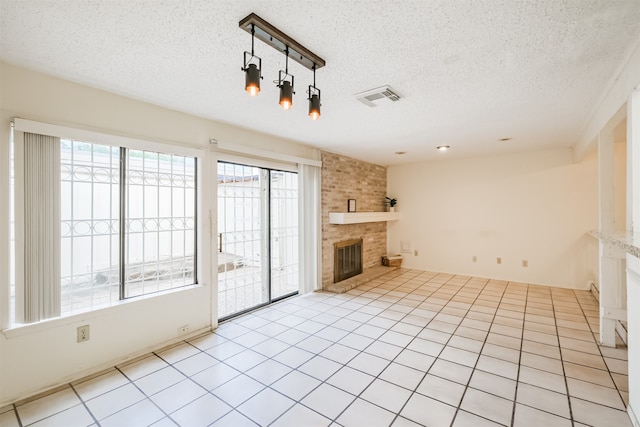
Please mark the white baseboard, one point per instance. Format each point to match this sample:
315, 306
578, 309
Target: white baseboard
622, 332
620, 329
594, 290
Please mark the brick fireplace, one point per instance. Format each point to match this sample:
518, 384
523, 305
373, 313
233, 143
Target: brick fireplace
344, 178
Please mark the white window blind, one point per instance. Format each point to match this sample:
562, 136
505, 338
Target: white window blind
41, 296
310, 228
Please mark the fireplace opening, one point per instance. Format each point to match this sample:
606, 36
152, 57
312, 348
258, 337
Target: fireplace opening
347, 256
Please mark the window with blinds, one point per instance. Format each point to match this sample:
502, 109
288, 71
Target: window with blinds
101, 224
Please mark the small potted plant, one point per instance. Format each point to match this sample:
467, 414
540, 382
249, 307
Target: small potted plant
392, 204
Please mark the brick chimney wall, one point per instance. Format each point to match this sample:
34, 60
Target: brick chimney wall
345, 178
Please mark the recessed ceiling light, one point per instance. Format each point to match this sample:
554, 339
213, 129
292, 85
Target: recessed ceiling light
400, 153
443, 147
505, 139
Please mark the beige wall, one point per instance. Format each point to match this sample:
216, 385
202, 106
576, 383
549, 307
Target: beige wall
535, 206
345, 178
620, 184
45, 355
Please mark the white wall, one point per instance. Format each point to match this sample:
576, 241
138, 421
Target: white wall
633, 322
42, 356
620, 184
620, 205
535, 206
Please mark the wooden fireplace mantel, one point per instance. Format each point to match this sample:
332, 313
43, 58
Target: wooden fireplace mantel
360, 217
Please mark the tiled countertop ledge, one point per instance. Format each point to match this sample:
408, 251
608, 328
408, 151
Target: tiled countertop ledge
628, 241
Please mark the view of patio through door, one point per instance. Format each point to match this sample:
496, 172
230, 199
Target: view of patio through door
257, 237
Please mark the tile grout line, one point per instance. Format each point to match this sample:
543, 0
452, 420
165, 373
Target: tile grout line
543, 370
133, 382
604, 358
397, 414
315, 354
358, 396
495, 314
390, 361
15, 410
467, 386
515, 395
84, 404
363, 350
600, 352
564, 373
445, 345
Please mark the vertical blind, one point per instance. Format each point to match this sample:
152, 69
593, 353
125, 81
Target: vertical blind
309, 201
41, 227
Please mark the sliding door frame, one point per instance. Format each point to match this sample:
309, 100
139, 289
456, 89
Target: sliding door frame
266, 167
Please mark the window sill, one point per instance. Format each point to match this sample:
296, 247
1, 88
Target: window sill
22, 329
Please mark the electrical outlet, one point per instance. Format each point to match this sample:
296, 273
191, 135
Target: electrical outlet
183, 329
83, 333
474, 258
525, 263
499, 260
415, 253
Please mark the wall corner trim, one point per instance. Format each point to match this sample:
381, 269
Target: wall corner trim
632, 415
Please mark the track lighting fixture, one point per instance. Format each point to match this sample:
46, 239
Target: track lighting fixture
286, 86
314, 98
252, 71
275, 38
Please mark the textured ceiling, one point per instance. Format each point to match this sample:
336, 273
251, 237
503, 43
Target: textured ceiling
470, 72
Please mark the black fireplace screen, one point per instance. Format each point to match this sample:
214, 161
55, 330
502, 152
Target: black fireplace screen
347, 259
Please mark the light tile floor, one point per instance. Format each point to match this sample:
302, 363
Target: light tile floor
410, 348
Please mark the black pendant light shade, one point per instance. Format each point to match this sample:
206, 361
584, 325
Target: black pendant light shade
286, 86
314, 106
286, 94
252, 73
252, 79
314, 98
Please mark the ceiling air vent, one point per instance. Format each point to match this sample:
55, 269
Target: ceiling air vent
378, 96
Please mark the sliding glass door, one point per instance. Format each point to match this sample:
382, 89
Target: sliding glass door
257, 237
284, 233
